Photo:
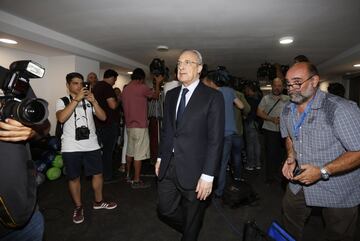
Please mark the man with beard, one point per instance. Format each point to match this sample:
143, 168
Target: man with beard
322, 134
269, 110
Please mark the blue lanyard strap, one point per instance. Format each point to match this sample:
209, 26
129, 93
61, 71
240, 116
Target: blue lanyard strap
297, 125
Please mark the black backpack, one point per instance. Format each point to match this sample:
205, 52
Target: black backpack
59, 126
239, 193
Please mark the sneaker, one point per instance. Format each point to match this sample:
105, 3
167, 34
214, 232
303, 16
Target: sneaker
249, 168
128, 179
122, 169
258, 167
78, 215
239, 179
104, 205
140, 185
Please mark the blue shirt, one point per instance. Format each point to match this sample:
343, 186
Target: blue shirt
229, 97
331, 128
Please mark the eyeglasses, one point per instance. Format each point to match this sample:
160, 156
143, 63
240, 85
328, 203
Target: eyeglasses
297, 85
186, 63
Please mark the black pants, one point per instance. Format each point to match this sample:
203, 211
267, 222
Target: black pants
274, 155
180, 208
340, 223
108, 136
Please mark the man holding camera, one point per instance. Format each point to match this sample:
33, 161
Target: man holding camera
79, 145
322, 138
20, 218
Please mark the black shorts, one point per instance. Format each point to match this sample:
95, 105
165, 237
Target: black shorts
74, 161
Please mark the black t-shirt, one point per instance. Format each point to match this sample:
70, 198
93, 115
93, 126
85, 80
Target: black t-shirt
17, 182
102, 91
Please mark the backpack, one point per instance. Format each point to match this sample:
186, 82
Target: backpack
59, 126
239, 193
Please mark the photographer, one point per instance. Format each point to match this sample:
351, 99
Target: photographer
22, 118
23, 220
79, 145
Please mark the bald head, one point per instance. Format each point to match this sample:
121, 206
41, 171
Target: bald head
277, 86
302, 82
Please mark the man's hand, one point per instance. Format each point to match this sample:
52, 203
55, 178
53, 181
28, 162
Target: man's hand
90, 97
82, 94
203, 189
13, 131
275, 120
310, 174
288, 168
157, 168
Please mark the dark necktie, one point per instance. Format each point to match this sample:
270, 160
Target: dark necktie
181, 107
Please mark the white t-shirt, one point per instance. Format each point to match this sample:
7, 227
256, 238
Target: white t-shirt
68, 142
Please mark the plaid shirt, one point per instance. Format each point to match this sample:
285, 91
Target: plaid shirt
331, 128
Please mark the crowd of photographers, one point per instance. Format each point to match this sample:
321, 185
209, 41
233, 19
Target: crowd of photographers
92, 118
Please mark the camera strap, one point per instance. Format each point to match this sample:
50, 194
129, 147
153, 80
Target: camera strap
75, 116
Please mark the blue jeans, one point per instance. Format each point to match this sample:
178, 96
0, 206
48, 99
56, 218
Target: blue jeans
232, 145
33, 231
253, 147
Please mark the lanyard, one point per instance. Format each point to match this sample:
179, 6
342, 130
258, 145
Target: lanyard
297, 125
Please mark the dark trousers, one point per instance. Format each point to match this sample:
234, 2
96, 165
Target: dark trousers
108, 136
232, 145
180, 208
340, 223
274, 154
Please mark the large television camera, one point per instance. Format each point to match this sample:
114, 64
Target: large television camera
14, 87
157, 67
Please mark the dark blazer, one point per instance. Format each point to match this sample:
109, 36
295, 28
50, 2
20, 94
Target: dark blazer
197, 141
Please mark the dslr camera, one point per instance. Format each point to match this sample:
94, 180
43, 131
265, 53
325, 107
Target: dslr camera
14, 87
82, 133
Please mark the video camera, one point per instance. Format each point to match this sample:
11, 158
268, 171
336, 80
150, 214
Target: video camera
14, 86
157, 67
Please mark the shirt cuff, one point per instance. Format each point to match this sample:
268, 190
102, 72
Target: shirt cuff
207, 178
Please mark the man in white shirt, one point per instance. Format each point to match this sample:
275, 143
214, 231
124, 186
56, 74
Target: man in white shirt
79, 145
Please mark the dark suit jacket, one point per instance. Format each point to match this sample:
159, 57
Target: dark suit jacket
198, 140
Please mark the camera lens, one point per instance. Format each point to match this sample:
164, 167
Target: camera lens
27, 111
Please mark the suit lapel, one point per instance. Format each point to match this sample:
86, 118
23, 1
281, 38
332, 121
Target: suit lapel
173, 107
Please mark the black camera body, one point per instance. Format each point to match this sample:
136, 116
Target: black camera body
14, 85
157, 67
82, 133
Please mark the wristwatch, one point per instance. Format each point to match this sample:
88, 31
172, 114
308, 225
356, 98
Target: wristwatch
324, 174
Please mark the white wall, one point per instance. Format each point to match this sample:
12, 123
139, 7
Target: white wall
85, 66
59, 67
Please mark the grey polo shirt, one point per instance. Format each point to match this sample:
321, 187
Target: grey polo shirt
331, 128
266, 103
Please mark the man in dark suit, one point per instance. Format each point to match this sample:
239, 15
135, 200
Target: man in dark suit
190, 149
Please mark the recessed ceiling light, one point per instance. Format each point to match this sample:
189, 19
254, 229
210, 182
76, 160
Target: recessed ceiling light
162, 48
8, 41
286, 40
130, 72
356, 65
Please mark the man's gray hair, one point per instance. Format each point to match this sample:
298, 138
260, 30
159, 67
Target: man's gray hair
200, 59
